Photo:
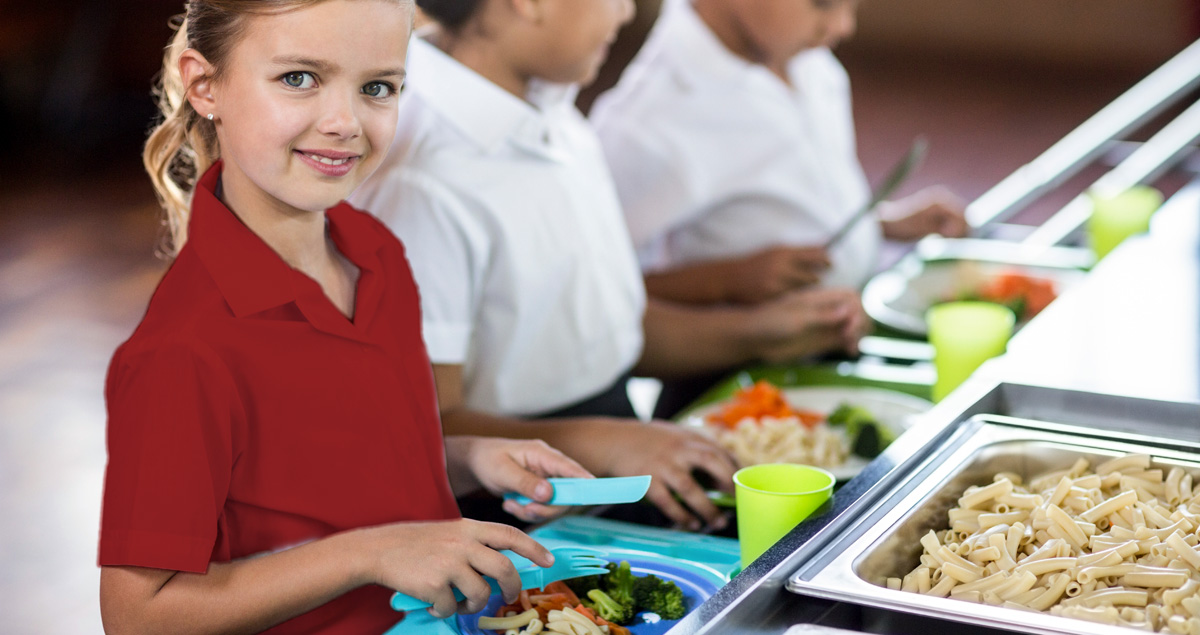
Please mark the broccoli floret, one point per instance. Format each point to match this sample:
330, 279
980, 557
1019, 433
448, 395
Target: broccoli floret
608, 608
868, 436
659, 596
618, 584
581, 586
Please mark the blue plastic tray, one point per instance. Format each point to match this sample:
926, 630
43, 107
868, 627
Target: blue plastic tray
698, 582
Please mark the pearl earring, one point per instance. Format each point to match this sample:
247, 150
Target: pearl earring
210, 116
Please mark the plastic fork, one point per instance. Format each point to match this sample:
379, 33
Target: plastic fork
569, 562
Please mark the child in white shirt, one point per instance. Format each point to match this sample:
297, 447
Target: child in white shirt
731, 141
532, 301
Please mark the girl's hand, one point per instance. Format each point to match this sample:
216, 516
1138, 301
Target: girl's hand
933, 210
509, 465
429, 560
771, 272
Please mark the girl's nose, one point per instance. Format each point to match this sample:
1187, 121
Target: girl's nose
338, 118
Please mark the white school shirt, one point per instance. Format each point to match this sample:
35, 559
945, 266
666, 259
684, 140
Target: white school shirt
512, 226
715, 157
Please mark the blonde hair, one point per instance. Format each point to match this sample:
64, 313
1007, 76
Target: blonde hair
184, 143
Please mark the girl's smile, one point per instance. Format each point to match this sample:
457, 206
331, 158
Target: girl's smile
330, 163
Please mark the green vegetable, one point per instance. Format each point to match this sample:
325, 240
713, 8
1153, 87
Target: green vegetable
659, 596
581, 586
619, 595
618, 584
868, 436
608, 608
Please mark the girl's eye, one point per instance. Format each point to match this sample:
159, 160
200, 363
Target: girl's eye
378, 90
300, 79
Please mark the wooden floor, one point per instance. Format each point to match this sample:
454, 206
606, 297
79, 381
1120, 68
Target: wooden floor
77, 268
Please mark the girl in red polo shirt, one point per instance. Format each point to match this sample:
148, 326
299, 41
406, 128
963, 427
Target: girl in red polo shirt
275, 456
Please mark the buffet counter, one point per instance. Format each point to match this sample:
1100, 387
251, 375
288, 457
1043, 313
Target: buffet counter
1113, 364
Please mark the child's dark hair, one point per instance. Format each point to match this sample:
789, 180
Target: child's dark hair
451, 14
184, 144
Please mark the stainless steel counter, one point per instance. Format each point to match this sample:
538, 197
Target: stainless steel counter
1119, 351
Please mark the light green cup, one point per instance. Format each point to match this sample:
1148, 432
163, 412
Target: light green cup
964, 335
1117, 217
772, 498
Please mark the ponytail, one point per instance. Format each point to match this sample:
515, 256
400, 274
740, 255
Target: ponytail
179, 149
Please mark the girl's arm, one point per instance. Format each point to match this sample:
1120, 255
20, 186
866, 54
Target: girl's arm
607, 446
507, 465
424, 560
750, 279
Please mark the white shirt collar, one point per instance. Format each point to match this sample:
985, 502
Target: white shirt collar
481, 110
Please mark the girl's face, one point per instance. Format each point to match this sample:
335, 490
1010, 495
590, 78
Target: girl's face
577, 36
782, 28
307, 106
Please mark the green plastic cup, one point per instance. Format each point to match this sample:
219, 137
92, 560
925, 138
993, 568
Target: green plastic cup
772, 498
964, 335
1118, 216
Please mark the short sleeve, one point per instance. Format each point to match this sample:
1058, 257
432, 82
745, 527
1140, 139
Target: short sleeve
171, 413
448, 250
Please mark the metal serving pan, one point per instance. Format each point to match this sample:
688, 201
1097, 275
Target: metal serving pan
941, 269
884, 542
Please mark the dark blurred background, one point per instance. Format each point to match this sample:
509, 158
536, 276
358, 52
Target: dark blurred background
991, 83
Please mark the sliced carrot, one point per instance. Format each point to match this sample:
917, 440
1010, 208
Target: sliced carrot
561, 587
761, 400
586, 612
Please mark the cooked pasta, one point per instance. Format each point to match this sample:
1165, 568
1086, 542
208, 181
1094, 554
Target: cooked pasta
784, 440
1118, 546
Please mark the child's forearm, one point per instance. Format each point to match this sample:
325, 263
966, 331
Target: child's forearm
244, 596
702, 283
682, 340
583, 439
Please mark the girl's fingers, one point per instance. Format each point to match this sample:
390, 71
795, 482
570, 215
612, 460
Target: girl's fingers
474, 588
501, 537
444, 604
532, 512
495, 565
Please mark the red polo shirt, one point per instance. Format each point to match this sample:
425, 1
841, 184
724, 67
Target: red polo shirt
246, 414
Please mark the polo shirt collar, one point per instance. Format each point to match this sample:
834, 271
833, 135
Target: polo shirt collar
482, 111
251, 276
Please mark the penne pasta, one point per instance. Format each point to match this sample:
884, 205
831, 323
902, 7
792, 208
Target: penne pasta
1118, 545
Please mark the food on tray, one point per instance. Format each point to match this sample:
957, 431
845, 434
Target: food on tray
553, 609
759, 426
761, 400
1116, 545
1026, 295
870, 437
635, 593
612, 599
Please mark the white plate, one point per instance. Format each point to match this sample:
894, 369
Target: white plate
892, 409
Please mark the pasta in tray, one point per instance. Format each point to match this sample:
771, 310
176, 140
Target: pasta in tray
1117, 545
